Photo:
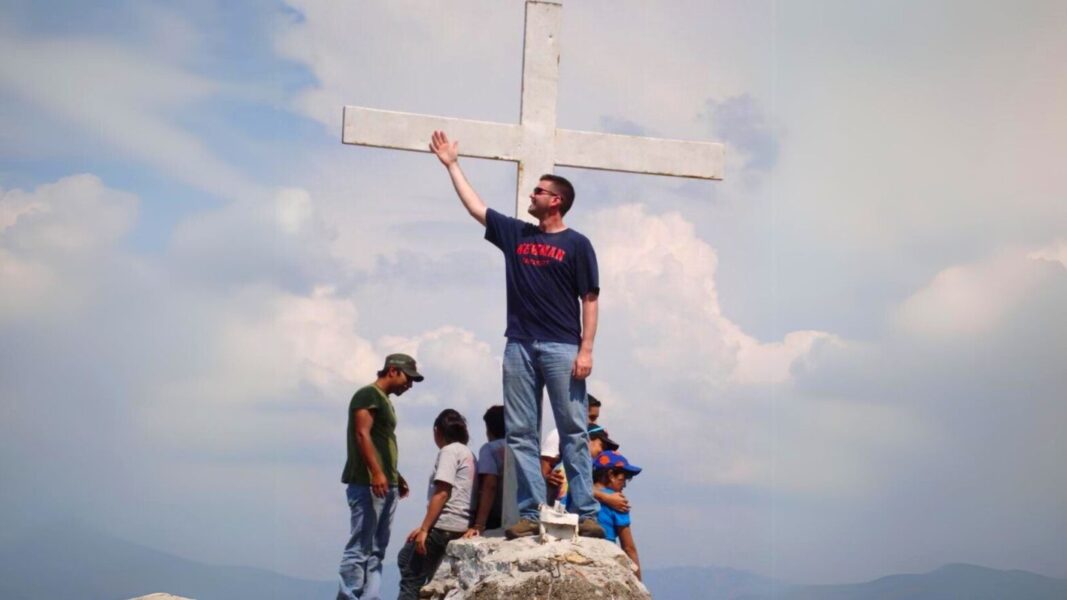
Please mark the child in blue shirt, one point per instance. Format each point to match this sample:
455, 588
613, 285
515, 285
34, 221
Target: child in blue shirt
611, 473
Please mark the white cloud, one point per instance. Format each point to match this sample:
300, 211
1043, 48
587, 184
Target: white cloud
74, 215
969, 300
126, 98
1055, 252
284, 240
660, 277
773, 362
293, 208
969, 383
398, 45
54, 234
666, 346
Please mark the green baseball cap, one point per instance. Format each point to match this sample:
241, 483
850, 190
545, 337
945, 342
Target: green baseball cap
405, 363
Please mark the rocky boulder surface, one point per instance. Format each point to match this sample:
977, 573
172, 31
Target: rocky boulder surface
525, 569
159, 596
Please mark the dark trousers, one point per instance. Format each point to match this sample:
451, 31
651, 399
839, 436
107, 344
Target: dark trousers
416, 569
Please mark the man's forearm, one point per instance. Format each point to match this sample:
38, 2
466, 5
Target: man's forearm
590, 313
370, 455
471, 201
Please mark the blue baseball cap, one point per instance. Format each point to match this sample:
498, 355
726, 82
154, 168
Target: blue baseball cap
609, 459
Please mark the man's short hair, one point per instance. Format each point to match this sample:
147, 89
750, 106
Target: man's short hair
592, 400
494, 421
565, 189
452, 425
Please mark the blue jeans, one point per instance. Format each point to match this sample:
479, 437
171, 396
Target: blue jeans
529, 368
361, 562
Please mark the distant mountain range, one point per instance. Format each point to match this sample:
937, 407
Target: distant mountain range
951, 582
73, 563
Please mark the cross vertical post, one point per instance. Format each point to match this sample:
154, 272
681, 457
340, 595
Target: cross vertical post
540, 82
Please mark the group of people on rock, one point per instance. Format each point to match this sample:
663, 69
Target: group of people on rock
552, 311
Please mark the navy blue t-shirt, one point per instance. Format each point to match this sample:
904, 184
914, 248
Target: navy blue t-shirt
547, 274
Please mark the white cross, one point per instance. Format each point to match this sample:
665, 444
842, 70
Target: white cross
535, 143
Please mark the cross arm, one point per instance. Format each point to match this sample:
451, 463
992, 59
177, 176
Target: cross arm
701, 160
409, 131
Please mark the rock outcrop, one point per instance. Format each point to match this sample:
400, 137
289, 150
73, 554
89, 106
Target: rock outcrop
159, 596
525, 569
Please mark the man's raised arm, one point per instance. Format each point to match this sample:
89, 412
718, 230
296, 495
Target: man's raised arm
447, 153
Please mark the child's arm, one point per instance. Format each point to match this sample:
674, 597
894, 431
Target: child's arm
616, 501
486, 496
626, 540
441, 492
553, 477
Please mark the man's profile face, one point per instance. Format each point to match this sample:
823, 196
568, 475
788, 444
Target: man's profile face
542, 197
594, 414
401, 382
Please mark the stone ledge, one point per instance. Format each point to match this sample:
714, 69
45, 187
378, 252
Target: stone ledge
525, 569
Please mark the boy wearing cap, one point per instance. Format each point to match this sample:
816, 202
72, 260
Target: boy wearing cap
611, 473
374, 484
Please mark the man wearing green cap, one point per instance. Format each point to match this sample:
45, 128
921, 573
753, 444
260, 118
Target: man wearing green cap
371, 474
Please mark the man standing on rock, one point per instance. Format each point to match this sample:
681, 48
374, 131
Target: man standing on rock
373, 481
552, 291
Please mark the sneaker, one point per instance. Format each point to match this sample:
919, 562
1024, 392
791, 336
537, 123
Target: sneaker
589, 527
525, 528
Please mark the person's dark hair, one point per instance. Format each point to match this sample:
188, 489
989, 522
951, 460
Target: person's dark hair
601, 475
385, 371
565, 189
494, 421
592, 400
452, 425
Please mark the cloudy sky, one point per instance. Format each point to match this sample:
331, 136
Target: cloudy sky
843, 361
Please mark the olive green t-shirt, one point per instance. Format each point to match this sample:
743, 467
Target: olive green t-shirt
382, 435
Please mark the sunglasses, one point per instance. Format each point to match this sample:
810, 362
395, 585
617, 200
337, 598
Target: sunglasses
540, 190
